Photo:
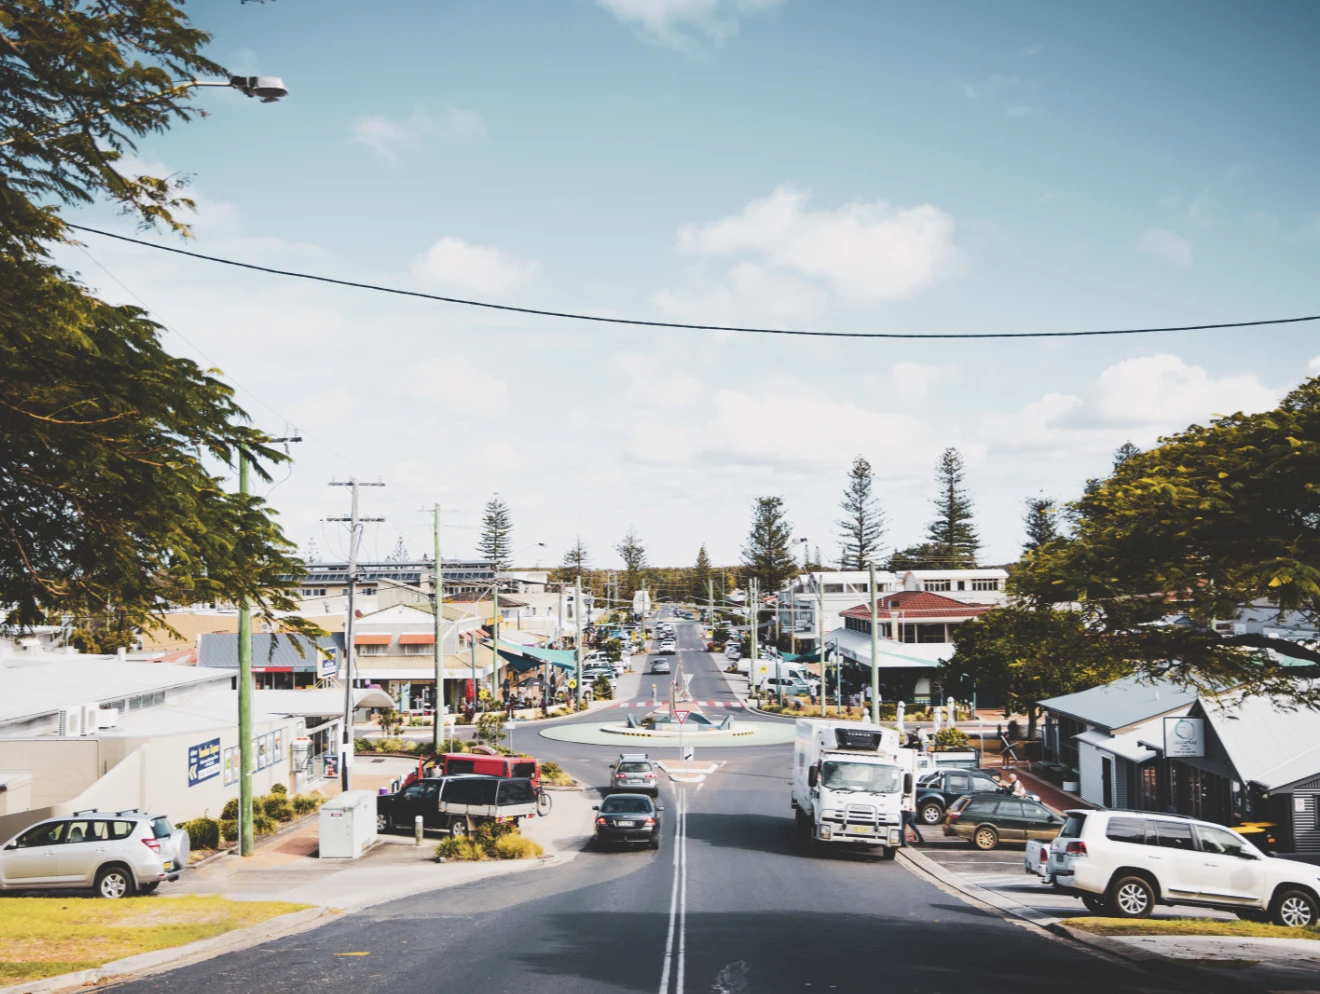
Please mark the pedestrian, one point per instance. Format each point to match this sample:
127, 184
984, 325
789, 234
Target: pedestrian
910, 821
1016, 786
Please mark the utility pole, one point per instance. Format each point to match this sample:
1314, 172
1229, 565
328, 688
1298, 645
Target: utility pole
753, 618
875, 656
438, 726
245, 831
581, 628
820, 644
710, 602
355, 524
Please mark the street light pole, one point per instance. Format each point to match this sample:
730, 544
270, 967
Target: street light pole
820, 646
438, 737
581, 637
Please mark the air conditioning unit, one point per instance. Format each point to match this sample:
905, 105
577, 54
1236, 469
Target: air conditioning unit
90, 714
107, 717
70, 721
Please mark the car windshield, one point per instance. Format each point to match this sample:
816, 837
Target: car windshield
626, 805
634, 767
837, 775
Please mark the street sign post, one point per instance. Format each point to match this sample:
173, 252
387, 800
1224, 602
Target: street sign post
681, 716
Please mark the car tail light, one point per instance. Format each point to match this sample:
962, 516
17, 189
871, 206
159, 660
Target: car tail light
152, 844
1044, 855
650, 776
1076, 848
600, 821
952, 816
649, 821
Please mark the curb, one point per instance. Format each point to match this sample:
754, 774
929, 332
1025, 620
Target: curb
161, 960
1165, 966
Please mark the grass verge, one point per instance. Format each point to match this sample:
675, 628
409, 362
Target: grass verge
46, 936
1190, 926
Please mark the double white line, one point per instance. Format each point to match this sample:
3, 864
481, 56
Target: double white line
675, 961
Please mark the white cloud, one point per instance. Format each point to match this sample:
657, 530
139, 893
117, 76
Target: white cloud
652, 384
455, 385
1164, 390
913, 380
1313, 367
453, 262
866, 252
1042, 425
752, 294
387, 136
1164, 244
683, 24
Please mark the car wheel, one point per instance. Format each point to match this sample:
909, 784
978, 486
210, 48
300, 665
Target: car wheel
1131, 897
382, 823
1294, 909
114, 882
459, 828
655, 841
932, 813
985, 838
1095, 903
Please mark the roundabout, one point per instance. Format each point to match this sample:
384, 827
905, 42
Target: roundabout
743, 733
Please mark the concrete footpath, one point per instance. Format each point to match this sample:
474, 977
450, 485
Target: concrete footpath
1218, 963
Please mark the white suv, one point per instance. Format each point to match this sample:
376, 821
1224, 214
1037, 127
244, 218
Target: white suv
118, 853
1123, 863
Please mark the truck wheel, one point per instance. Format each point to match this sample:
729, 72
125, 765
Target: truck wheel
932, 813
888, 852
382, 823
1294, 909
1131, 897
985, 838
1095, 903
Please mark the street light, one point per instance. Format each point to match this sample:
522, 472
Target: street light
268, 89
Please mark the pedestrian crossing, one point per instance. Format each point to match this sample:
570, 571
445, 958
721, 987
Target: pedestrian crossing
731, 705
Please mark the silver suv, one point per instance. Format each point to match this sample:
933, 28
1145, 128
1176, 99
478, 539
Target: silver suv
118, 853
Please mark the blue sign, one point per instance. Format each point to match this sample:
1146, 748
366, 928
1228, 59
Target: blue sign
203, 762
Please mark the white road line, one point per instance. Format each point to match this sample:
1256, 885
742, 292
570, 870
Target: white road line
673, 896
682, 909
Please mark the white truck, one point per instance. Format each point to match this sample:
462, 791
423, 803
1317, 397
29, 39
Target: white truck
851, 784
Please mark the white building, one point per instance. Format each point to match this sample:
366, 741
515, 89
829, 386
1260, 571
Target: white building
839, 591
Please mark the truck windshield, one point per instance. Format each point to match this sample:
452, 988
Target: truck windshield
837, 775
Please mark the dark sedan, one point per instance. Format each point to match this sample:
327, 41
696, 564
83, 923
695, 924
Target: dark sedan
937, 792
985, 820
628, 818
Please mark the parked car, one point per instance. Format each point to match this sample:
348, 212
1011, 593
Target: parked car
660, 666
634, 773
1123, 863
667, 649
115, 853
793, 687
938, 790
628, 818
457, 804
986, 819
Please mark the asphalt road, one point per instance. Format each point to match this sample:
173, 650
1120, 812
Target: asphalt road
728, 905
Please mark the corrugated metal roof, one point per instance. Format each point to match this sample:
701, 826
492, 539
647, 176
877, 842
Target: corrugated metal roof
893, 655
1266, 743
220, 650
40, 687
1121, 703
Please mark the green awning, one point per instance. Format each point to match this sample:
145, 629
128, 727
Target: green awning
524, 657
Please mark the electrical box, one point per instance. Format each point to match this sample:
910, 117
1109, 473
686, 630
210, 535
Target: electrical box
348, 824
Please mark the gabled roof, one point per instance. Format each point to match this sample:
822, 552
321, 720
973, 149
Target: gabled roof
918, 604
1124, 702
1266, 743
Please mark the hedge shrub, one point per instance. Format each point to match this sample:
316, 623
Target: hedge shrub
203, 833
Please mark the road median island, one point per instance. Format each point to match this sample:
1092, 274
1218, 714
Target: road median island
56, 937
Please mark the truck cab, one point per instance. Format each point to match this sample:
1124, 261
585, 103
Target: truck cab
851, 784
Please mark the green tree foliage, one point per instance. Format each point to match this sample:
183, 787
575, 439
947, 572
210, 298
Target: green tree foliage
79, 82
495, 543
576, 562
701, 576
1022, 655
766, 555
633, 554
108, 511
1212, 519
1123, 453
951, 535
1039, 522
863, 522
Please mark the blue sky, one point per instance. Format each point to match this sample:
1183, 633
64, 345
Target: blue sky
853, 166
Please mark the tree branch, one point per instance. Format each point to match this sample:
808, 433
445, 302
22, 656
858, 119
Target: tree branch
1282, 646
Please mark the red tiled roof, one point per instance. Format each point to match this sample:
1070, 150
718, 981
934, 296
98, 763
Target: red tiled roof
912, 604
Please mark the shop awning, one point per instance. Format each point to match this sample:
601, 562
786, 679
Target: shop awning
371, 639
417, 638
524, 657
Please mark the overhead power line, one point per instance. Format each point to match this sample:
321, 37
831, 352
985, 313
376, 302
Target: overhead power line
637, 322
